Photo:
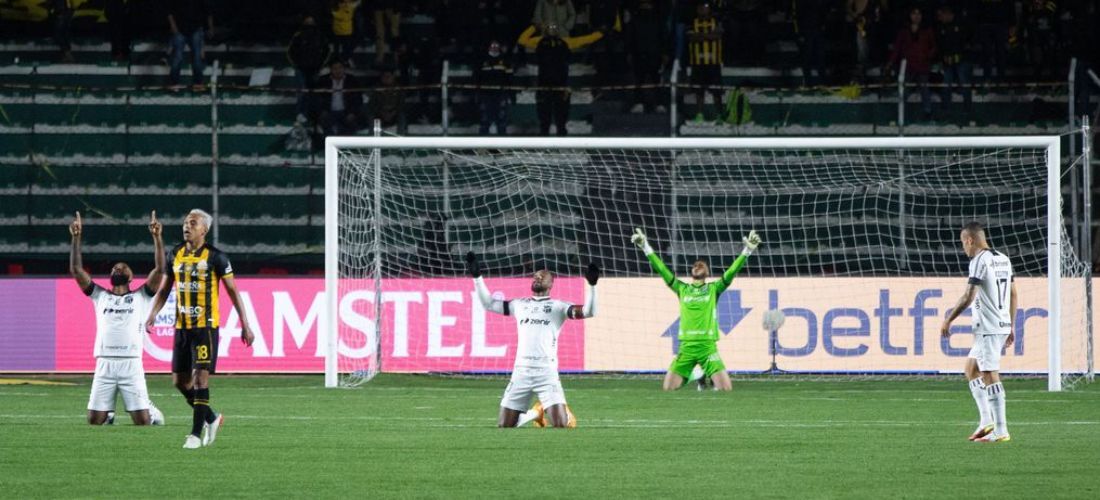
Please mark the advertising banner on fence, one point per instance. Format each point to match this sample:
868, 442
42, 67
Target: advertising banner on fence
832, 325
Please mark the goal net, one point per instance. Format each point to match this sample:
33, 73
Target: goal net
861, 251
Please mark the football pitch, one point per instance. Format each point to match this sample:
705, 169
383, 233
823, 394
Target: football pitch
406, 436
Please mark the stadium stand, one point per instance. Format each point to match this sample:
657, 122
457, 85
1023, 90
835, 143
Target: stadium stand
105, 137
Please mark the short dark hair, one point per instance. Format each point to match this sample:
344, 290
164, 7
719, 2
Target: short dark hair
974, 228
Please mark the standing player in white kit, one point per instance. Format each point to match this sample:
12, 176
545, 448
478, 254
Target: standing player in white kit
539, 320
992, 282
120, 332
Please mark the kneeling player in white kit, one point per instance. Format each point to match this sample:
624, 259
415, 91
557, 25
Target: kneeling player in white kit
539, 319
992, 281
120, 333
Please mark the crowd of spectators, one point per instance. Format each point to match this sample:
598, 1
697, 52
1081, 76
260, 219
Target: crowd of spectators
839, 42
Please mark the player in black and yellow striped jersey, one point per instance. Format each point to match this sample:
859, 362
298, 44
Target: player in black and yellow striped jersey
705, 57
196, 271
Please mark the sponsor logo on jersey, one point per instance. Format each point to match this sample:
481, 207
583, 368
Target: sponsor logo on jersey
532, 321
696, 298
111, 310
192, 286
192, 310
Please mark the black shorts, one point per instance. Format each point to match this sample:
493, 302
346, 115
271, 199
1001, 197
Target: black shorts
194, 349
707, 75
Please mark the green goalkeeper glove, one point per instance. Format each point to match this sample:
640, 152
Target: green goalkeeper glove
751, 242
639, 240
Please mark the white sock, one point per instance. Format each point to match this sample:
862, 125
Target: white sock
526, 417
977, 389
996, 395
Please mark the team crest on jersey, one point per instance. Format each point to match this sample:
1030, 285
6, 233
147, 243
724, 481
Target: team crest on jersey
546, 309
129, 299
201, 266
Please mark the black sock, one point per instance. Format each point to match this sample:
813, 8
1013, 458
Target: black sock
190, 395
201, 409
211, 415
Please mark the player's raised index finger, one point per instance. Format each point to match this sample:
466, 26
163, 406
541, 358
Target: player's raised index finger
153, 216
78, 216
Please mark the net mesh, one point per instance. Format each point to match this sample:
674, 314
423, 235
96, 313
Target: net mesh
861, 253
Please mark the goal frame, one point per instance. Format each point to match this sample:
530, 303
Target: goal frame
1051, 144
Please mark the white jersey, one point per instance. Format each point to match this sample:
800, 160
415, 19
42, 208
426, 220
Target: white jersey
120, 322
991, 272
539, 321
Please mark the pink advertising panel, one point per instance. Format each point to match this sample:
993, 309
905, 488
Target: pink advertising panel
430, 325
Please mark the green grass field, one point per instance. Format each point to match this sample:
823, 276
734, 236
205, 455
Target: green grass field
421, 436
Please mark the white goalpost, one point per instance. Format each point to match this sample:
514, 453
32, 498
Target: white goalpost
860, 251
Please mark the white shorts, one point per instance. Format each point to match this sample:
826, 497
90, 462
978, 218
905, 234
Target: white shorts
125, 375
987, 350
543, 382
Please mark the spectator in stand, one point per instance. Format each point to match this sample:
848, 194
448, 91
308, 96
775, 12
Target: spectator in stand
186, 20
552, 105
62, 12
558, 13
494, 73
864, 16
994, 18
683, 12
1040, 21
915, 43
343, 29
647, 36
705, 58
809, 19
308, 52
387, 27
117, 13
951, 45
747, 34
606, 16
338, 105
387, 102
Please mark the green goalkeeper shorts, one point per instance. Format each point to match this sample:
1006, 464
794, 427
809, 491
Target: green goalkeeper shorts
704, 354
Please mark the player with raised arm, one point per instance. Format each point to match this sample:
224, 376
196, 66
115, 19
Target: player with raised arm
539, 320
197, 270
992, 283
698, 314
119, 338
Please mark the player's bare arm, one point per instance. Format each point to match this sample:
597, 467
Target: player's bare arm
591, 275
246, 331
166, 285
474, 269
152, 284
960, 306
1012, 315
76, 261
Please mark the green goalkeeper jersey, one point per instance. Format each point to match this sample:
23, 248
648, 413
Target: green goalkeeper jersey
698, 303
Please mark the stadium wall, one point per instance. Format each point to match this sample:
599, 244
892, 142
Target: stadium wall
833, 325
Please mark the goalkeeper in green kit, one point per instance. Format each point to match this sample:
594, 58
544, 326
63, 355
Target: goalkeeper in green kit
698, 314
